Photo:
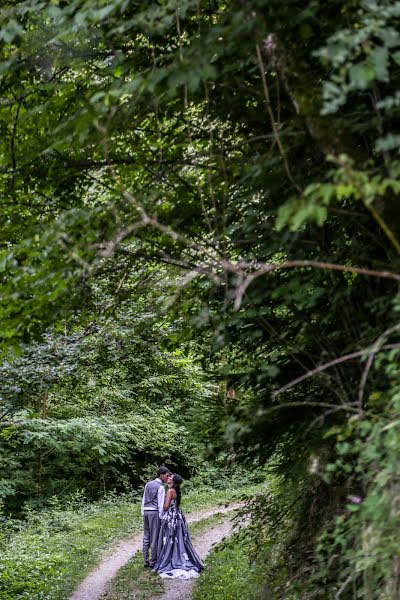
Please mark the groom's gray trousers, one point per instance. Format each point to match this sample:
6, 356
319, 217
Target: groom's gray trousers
150, 538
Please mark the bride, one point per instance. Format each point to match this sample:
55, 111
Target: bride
177, 559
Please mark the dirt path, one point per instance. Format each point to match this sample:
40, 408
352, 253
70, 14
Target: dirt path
94, 585
182, 589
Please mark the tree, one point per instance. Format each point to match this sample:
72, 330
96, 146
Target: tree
248, 148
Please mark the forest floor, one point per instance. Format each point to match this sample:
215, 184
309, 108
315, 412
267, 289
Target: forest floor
97, 584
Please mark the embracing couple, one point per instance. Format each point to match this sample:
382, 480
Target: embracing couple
166, 533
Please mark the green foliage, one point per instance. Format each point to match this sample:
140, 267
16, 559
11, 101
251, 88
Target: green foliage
367, 528
185, 158
96, 408
52, 550
49, 455
348, 184
229, 574
363, 54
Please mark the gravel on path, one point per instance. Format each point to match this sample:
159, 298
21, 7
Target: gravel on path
94, 585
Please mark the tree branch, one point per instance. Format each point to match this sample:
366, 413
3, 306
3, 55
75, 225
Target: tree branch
262, 268
327, 365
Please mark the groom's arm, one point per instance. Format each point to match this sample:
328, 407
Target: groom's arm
160, 500
142, 507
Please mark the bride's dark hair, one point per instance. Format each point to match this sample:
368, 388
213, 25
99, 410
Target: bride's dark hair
176, 485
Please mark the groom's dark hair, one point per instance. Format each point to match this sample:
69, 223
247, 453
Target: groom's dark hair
162, 471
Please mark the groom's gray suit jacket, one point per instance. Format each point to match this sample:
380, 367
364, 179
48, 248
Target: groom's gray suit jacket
150, 500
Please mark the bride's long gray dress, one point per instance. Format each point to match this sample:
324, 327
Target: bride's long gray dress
176, 557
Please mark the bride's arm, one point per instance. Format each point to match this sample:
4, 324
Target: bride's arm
171, 494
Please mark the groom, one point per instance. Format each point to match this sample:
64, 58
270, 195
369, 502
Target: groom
152, 511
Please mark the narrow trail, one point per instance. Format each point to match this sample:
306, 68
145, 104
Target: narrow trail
94, 585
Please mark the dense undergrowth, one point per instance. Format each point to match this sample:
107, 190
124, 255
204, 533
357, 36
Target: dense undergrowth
323, 529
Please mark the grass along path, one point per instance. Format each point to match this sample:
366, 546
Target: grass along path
52, 550
94, 585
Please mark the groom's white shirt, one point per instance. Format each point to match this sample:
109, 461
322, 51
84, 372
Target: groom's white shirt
160, 499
